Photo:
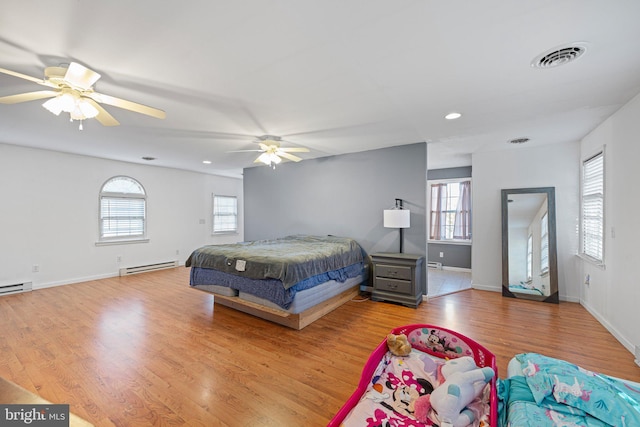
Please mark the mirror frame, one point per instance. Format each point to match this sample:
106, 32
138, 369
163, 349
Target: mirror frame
553, 255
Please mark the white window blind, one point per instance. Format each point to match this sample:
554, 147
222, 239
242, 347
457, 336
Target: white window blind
593, 207
122, 209
530, 258
544, 243
225, 214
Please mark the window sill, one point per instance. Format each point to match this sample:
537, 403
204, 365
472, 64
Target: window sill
121, 242
588, 259
223, 233
450, 242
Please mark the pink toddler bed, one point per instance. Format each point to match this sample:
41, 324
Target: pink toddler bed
389, 384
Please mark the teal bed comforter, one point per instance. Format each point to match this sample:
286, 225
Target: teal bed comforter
553, 392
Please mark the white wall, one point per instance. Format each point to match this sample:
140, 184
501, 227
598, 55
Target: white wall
613, 293
49, 216
552, 165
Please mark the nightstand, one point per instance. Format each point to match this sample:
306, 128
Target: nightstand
397, 278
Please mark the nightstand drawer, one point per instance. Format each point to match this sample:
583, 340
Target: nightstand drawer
392, 285
393, 271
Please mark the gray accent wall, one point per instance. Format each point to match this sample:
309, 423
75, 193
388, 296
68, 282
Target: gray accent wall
453, 255
341, 195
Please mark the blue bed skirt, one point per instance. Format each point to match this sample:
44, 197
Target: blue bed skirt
270, 289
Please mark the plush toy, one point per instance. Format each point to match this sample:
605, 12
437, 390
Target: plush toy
464, 382
398, 344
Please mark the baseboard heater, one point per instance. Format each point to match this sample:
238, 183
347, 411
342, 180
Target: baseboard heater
433, 264
15, 288
146, 268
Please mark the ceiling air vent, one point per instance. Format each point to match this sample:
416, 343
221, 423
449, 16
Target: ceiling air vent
559, 55
518, 141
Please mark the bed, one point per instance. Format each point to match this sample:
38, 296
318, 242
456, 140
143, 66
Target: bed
292, 281
542, 391
375, 401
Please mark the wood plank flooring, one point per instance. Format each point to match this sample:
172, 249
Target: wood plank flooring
148, 350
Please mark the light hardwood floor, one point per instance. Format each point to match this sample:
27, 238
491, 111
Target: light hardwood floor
148, 350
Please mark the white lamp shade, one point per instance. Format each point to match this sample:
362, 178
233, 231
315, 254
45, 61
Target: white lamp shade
397, 218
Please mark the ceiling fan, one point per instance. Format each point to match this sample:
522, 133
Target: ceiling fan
71, 91
272, 152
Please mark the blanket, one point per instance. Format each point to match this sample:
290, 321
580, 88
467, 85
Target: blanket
396, 384
289, 259
553, 392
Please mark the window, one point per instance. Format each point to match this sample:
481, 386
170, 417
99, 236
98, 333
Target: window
593, 207
544, 244
122, 209
450, 211
225, 214
530, 258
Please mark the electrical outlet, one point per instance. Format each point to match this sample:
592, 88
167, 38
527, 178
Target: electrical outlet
177, 251
587, 280
441, 254
119, 258
35, 268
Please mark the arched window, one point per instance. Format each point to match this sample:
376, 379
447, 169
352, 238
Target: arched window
123, 209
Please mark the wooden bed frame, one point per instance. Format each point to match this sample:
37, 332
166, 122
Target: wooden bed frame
291, 320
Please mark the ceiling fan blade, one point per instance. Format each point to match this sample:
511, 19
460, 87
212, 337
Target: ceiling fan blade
245, 151
263, 146
294, 149
22, 76
80, 76
103, 117
288, 156
28, 96
127, 105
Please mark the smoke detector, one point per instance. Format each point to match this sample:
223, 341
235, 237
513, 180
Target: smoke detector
559, 55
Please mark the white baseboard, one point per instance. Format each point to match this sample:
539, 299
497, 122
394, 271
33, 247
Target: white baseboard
623, 340
72, 281
79, 280
465, 270
491, 288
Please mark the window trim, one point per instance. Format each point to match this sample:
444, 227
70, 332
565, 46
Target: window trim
529, 257
589, 258
544, 237
431, 182
213, 215
117, 240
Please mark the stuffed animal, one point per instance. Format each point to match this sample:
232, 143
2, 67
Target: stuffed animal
464, 382
398, 344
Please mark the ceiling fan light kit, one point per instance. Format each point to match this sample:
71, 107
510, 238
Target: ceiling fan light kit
269, 159
69, 102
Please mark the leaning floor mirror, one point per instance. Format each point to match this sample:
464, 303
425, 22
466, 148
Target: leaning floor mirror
529, 258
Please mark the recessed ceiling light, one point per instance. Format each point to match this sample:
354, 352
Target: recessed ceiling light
148, 158
453, 116
206, 162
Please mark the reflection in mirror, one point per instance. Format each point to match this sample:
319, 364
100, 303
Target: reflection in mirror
529, 262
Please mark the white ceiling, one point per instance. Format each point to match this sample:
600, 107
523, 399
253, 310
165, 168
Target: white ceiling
335, 76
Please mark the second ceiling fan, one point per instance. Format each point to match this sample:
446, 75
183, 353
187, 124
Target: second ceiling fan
272, 152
